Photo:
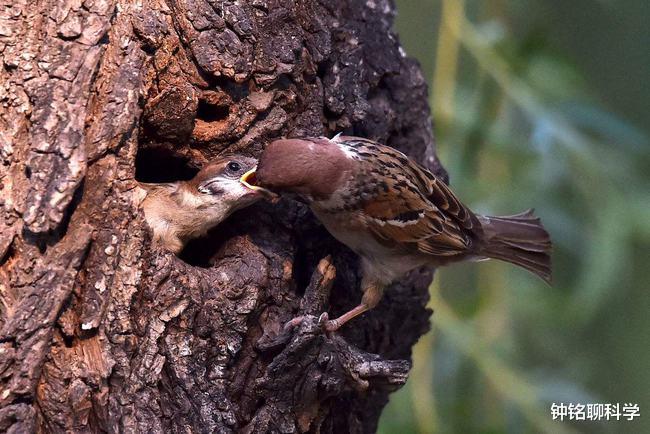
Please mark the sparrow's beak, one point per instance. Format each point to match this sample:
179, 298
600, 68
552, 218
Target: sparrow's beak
249, 181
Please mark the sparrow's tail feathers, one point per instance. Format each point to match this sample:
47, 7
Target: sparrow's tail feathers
519, 239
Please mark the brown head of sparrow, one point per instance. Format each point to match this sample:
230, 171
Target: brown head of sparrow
394, 213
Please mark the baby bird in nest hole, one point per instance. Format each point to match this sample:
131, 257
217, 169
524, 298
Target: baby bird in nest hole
394, 213
180, 211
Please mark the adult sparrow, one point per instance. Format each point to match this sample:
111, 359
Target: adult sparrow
394, 213
180, 211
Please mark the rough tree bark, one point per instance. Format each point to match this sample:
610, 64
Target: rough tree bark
100, 331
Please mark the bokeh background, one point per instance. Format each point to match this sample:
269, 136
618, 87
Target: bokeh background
540, 103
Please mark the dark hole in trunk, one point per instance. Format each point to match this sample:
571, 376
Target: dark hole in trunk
157, 164
202, 251
211, 112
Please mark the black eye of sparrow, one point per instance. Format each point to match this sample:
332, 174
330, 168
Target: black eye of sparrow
234, 166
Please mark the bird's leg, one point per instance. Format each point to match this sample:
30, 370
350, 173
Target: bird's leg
372, 293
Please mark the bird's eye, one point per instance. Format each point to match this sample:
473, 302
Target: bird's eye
234, 166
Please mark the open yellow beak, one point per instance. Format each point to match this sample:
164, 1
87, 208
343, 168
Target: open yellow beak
249, 176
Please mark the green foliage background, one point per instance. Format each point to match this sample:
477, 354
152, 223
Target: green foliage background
540, 103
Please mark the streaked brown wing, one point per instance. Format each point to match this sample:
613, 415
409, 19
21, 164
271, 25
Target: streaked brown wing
440, 195
408, 218
424, 212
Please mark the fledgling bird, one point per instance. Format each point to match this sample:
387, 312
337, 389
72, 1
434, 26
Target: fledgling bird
394, 213
180, 211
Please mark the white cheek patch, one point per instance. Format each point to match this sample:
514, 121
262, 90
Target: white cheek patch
210, 187
215, 192
231, 187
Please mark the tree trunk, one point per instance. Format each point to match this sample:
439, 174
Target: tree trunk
102, 332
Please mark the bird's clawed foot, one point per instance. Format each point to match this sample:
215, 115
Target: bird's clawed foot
327, 325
